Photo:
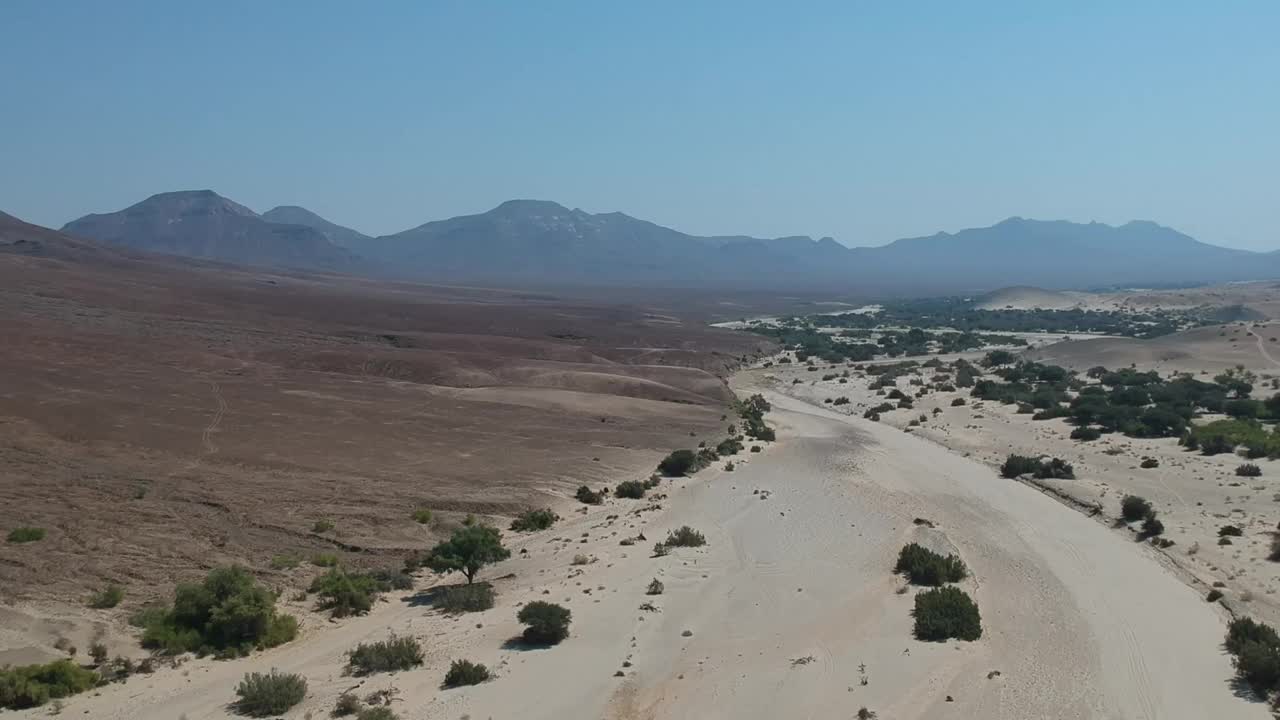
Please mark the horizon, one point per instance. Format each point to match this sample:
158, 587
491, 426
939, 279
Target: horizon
865, 125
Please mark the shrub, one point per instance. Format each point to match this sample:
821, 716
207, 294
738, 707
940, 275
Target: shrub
266, 694
465, 672
1248, 470
655, 587
343, 593
1258, 665
1016, 465
380, 712
1244, 630
98, 653
588, 496
1151, 527
1086, 433
547, 623
324, 560
755, 448
925, 567
228, 613
1274, 555
678, 463
660, 550
464, 598
946, 612
728, 446
958, 402
108, 597
468, 550
29, 686
394, 653
1148, 463
534, 520
1214, 595
1134, 508
1230, 531
633, 489
322, 526
842, 400
25, 534
422, 516
685, 537
348, 704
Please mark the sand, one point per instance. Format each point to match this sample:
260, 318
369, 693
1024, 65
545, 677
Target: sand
789, 607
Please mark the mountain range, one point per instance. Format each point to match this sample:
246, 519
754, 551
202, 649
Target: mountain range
541, 243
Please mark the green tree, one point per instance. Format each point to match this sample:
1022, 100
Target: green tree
467, 551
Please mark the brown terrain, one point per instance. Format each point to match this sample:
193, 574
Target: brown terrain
160, 417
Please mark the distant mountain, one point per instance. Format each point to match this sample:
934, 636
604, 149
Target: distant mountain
294, 215
542, 243
203, 224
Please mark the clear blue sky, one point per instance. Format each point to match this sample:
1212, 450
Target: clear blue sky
867, 122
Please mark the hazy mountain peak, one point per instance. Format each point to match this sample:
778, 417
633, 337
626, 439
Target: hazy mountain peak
298, 215
192, 201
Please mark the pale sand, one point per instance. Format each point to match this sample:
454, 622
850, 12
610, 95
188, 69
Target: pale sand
1079, 621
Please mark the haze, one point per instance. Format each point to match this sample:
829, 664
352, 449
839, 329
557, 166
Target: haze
866, 124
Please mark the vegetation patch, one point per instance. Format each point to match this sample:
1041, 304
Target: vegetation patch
20, 535
588, 496
1255, 650
394, 653
108, 597
227, 614
532, 520
1134, 508
464, 598
29, 686
922, 566
946, 612
465, 672
546, 623
267, 694
632, 489
685, 537
1019, 465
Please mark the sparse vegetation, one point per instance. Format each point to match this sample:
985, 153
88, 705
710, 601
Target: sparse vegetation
946, 612
464, 598
1148, 463
922, 566
21, 535
465, 672
394, 653
685, 537
322, 526
655, 587
29, 686
267, 694
228, 614
1248, 470
588, 496
108, 597
678, 464
1134, 508
468, 550
631, 489
348, 704
1018, 465
532, 520
422, 516
1255, 648
547, 623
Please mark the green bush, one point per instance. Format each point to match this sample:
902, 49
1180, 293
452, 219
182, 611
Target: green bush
468, 550
1248, 470
1016, 465
394, 653
547, 623
678, 463
108, 597
26, 534
1230, 531
324, 560
728, 446
267, 694
464, 598
685, 537
33, 685
957, 402
588, 496
228, 614
925, 567
1134, 508
1086, 433
422, 516
1148, 463
465, 672
345, 593
1152, 526
946, 612
532, 520
322, 526
1214, 595
633, 489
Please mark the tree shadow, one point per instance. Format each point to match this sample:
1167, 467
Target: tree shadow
519, 643
1244, 691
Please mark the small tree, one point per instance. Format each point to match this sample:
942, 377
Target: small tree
468, 550
678, 463
547, 623
1151, 527
534, 520
633, 489
946, 612
588, 496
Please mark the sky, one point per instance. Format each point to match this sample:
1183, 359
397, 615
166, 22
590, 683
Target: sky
866, 122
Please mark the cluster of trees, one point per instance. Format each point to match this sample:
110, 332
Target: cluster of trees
228, 615
922, 566
1255, 651
946, 612
344, 593
34, 685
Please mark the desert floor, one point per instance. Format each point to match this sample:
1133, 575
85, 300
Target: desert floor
789, 606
